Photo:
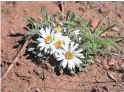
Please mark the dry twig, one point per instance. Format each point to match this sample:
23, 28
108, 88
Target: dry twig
16, 58
110, 75
62, 10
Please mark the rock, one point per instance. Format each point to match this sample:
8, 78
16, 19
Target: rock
119, 15
93, 5
103, 10
87, 7
94, 22
112, 61
115, 29
38, 90
39, 72
18, 63
12, 21
122, 3
105, 63
26, 11
82, 2
82, 9
103, 35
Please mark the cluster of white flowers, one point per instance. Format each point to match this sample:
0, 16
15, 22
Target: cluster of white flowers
52, 42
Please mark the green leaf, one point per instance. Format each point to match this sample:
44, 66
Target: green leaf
102, 22
32, 32
47, 17
107, 29
39, 54
90, 61
55, 15
115, 44
70, 15
80, 20
116, 38
68, 23
34, 52
33, 22
28, 20
31, 49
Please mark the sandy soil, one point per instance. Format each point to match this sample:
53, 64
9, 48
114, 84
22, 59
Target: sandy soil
26, 76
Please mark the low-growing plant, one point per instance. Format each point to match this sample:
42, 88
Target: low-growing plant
71, 41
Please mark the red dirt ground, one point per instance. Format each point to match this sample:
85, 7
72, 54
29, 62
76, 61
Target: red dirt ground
25, 76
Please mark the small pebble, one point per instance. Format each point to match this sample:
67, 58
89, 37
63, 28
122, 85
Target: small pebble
119, 15
82, 9
18, 64
115, 29
95, 22
12, 21
37, 90
103, 10
94, 5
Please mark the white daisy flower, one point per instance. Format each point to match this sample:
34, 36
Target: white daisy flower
58, 42
70, 56
46, 39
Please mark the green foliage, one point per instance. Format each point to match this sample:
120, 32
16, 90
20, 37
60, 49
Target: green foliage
47, 17
33, 22
90, 40
70, 16
33, 31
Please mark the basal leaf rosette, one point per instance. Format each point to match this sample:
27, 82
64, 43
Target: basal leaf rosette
71, 41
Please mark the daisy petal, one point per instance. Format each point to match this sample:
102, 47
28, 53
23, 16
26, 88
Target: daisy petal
77, 61
43, 33
52, 52
61, 58
41, 48
65, 47
48, 30
52, 33
70, 65
64, 63
78, 51
40, 39
76, 45
45, 50
73, 65
79, 55
41, 44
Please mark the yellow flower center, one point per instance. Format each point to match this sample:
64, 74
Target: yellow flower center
58, 28
58, 44
48, 38
69, 55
